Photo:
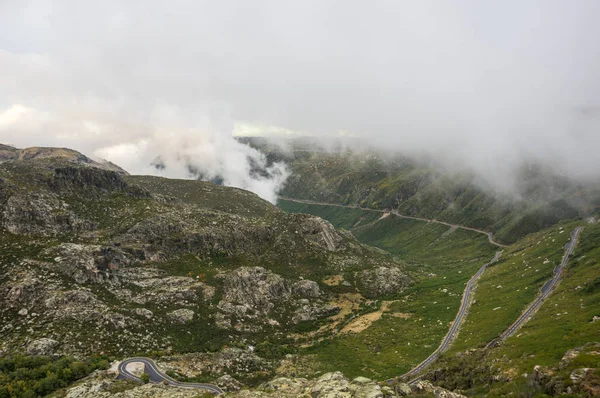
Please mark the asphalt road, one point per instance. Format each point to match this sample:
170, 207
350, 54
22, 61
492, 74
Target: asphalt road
394, 212
545, 292
156, 376
449, 338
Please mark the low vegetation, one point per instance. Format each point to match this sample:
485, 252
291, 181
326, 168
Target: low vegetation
439, 258
35, 376
540, 199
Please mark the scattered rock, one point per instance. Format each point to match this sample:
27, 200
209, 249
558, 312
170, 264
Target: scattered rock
146, 313
383, 281
306, 288
403, 389
228, 383
43, 346
182, 315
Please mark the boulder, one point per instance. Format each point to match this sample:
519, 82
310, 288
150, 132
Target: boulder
182, 315
228, 383
306, 288
255, 287
43, 346
383, 281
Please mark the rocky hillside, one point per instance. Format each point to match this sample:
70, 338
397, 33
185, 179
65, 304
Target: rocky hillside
40, 154
329, 385
93, 261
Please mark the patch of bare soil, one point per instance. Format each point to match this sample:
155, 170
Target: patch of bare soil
333, 280
348, 302
364, 321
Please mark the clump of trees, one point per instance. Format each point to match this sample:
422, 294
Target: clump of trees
37, 376
145, 377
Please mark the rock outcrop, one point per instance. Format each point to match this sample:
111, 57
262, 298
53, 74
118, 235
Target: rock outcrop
181, 316
382, 281
43, 346
328, 385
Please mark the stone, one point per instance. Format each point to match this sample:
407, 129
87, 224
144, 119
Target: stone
306, 288
383, 281
578, 375
43, 346
146, 313
360, 380
330, 384
228, 383
181, 316
284, 385
403, 389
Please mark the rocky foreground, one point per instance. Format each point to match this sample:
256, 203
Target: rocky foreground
329, 385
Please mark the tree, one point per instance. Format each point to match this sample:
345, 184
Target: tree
145, 378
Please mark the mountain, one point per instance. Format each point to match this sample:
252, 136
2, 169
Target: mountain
340, 298
541, 197
44, 154
97, 262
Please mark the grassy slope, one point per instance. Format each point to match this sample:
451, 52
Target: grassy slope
225, 211
207, 195
393, 345
340, 217
545, 197
565, 319
508, 286
562, 323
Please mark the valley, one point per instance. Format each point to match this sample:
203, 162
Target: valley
223, 291
506, 289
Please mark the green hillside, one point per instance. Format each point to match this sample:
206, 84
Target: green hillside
541, 197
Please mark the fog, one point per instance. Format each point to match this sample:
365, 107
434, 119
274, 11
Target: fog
480, 84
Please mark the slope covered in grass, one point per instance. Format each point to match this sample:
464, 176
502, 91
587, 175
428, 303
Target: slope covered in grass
540, 197
440, 259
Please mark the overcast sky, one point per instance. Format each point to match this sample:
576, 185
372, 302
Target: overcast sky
480, 81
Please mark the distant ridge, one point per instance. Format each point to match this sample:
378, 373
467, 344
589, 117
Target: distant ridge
10, 153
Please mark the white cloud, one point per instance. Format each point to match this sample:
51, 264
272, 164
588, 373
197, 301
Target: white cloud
487, 85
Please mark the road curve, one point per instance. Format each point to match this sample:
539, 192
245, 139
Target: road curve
449, 338
156, 376
545, 292
395, 212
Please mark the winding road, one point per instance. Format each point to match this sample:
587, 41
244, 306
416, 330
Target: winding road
156, 376
545, 292
395, 212
464, 308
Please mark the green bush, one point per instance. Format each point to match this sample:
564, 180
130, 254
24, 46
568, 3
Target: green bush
145, 378
32, 376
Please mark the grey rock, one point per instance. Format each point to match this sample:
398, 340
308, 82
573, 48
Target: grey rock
146, 313
306, 288
284, 385
43, 346
313, 312
383, 281
228, 383
255, 287
403, 389
182, 315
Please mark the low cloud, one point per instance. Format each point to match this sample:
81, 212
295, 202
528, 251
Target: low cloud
206, 156
483, 86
